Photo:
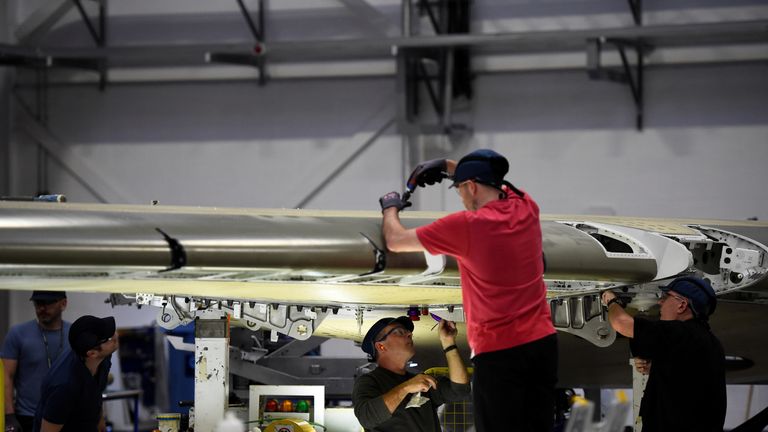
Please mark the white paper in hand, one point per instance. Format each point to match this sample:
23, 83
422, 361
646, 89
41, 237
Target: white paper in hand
417, 400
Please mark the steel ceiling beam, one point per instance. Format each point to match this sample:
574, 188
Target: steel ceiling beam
512, 43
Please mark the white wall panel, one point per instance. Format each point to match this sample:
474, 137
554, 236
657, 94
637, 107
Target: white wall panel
571, 141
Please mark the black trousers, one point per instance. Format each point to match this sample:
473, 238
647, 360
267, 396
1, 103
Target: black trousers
514, 389
26, 422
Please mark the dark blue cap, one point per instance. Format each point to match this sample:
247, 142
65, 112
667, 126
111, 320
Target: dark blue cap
88, 332
48, 296
483, 166
369, 340
703, 299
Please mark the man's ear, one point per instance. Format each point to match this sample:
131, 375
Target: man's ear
63, 304
472, 186
91, 353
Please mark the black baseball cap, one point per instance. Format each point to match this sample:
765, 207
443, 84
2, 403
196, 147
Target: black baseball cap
369, 340
47, 296
88, 332
483, 166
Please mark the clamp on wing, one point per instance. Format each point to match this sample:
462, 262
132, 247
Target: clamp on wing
178, 254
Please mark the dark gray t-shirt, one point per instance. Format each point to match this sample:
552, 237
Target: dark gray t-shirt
25, 344
373, 414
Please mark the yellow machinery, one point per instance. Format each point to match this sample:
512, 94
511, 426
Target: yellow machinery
2, 396
289, 425
454, 416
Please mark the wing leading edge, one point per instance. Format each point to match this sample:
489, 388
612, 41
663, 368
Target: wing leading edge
297, 265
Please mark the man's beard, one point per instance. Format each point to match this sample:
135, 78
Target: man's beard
48, 319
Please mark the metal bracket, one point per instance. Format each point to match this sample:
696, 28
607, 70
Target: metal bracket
99, 36
298, 322
257, 58
636, 7
583, 316
624, 76
178, 254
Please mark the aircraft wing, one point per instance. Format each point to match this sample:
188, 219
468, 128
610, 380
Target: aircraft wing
288, 270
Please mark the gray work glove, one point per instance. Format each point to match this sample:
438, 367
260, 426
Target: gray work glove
393, 199
12, 424
428, 173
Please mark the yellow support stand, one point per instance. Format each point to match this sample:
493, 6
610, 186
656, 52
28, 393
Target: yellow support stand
2, 396
292, 425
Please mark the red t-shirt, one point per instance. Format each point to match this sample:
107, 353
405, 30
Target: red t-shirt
498, 248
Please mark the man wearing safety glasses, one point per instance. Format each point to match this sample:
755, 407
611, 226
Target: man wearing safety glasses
686, 386
392, 399
497, 243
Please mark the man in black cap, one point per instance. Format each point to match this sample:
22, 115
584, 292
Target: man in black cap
389, 397
686, 387
29, 350
498, 246
71, 392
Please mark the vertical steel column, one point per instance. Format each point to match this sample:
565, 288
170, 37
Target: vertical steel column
447, 118
640, 100
41, 106
102, 42
211, 372
636, 7
6, 107
99, 36
404, 90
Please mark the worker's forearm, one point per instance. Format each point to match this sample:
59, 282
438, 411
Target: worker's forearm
391, 226
396, 236
621, 321
393, 397
45, 426
8, 391
9, 409
457, 372
102, 421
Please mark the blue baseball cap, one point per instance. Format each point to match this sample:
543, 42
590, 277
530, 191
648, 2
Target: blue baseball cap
703, 299
483, 166
369, 340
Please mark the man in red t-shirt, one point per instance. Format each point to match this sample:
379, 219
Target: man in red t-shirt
497, 243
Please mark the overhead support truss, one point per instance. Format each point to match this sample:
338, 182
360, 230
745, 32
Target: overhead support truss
636, 7
442, 73
256, 57
99, 34
37, 58
625, 75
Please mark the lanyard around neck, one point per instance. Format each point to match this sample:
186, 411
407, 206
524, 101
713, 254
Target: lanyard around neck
45, 342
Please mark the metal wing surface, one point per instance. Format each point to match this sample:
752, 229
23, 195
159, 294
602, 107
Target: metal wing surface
289, 270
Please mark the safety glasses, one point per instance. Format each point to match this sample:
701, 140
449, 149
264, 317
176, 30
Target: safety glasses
397, 331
